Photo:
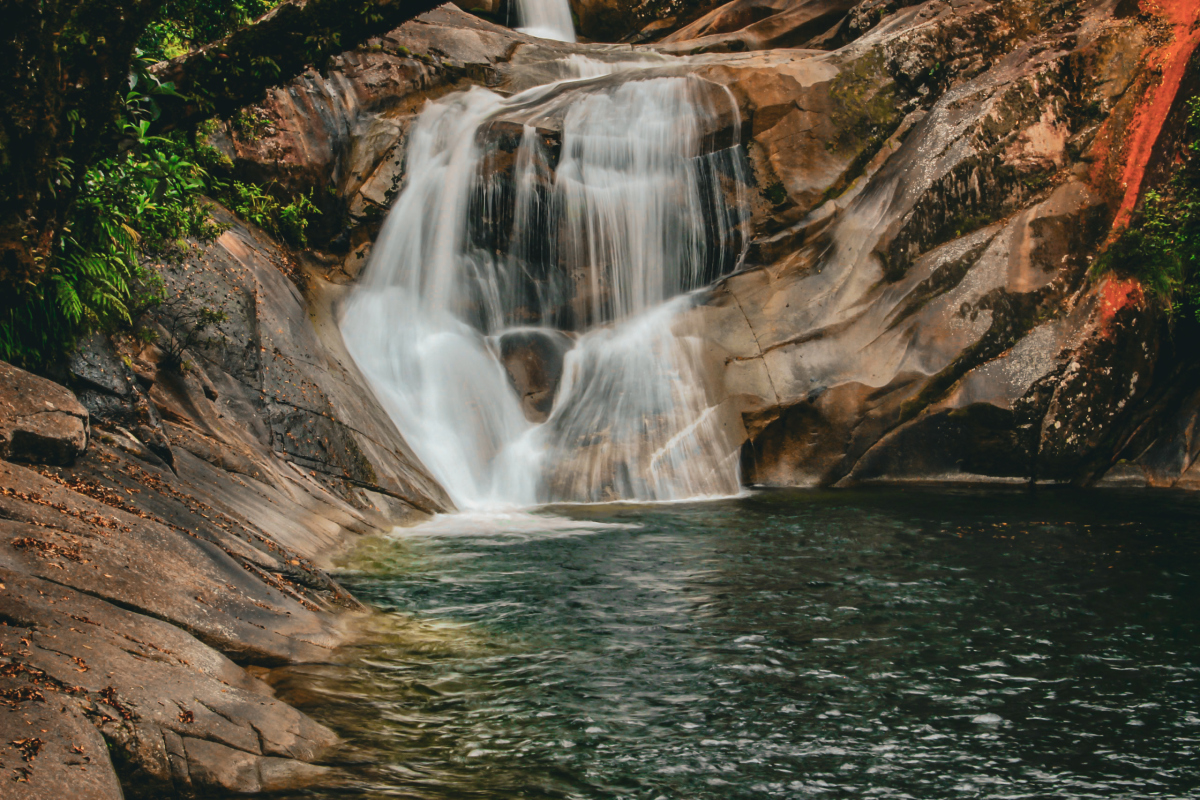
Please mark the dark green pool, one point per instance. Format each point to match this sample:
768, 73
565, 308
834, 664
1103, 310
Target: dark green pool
885, 644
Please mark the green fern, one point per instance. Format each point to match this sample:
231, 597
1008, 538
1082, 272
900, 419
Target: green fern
145, 201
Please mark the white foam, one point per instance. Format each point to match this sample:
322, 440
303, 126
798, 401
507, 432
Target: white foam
546, 19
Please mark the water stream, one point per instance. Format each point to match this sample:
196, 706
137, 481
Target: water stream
881, 644
565, 223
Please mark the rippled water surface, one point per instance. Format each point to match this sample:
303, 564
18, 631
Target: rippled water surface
800, 644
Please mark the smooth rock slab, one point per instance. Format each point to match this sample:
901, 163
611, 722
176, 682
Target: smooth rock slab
533, 360
184, 716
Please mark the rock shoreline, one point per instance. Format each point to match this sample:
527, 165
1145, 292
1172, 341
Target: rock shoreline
162, 543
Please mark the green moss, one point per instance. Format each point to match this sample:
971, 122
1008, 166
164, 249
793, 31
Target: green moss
775, 193
1162, 247
865, 105
866, 113
968, 223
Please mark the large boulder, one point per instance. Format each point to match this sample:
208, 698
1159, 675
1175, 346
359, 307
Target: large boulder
40, 421
929, 314
927, 182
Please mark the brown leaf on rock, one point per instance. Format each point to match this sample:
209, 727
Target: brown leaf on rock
29, 748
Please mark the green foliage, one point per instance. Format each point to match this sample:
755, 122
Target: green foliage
254, 203
183, 24
143, 201
87, 196
1162, 250
140, 205
250, 124
143, 204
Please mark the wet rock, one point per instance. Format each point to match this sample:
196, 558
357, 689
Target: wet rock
499, 11
534, 362
744, 25
605, 20
340, 128
212, 765
40, 421
130, 584
267, 387
112, 387
898, 331
47, 744
121, 556
924, 192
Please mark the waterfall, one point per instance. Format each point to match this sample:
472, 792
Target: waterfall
574, 217
548, 19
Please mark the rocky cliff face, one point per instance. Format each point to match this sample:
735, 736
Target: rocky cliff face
929, 314
929, 185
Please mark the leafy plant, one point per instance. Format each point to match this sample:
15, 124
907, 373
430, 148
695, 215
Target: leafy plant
1163, 251
183, 24
82, 201
255, 204
250, 124
143, 201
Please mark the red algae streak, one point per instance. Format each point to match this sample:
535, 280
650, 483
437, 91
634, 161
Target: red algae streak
1117, 294
1171, 60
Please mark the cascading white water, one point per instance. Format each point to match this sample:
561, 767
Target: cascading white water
547, 19
584, 205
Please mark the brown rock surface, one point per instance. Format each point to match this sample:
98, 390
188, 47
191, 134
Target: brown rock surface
149, 688
927, 188
189, 536
40, 421
534, 362
934, 318
758, 25
48, 746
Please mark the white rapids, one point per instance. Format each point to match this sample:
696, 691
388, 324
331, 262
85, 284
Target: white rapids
547, 19
602, 232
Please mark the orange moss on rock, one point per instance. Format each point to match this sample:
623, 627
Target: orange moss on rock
1116, 295
1170, 61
